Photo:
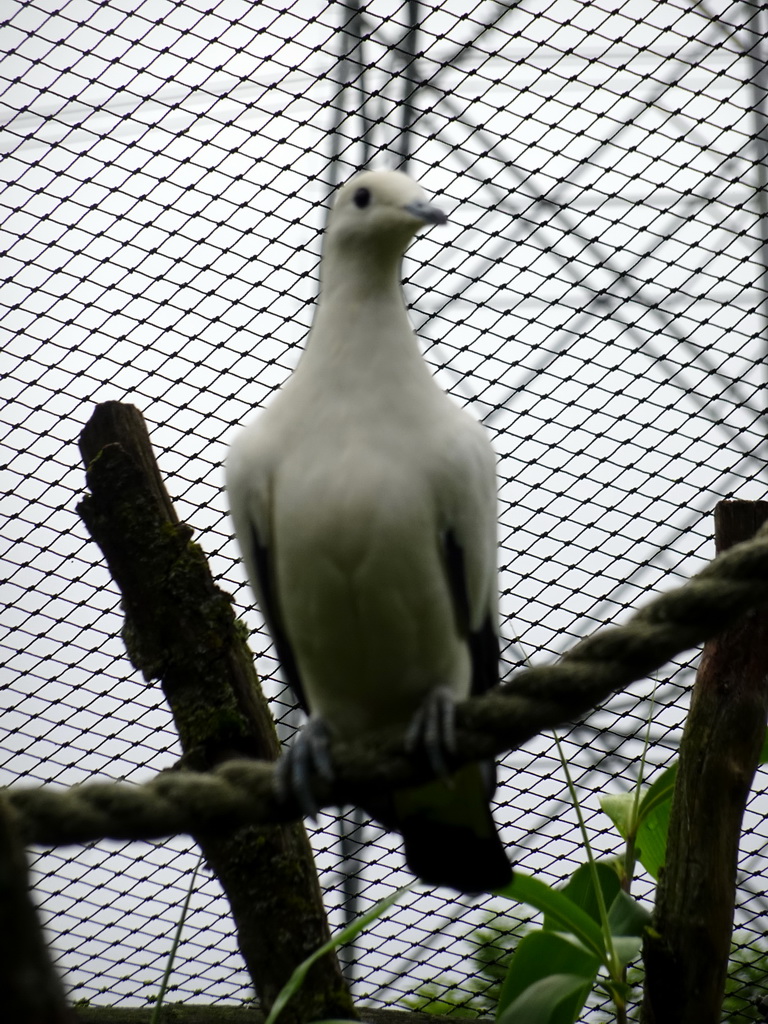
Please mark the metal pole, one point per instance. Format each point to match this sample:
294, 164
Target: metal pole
410, 81
351, 75
757, 27
352, 69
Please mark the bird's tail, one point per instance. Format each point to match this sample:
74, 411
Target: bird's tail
449, 835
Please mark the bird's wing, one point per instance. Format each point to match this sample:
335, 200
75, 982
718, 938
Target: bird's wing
467, 498
264, 582
483, 641
248, 484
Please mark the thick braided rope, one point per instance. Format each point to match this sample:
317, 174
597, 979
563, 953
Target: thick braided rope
242, 792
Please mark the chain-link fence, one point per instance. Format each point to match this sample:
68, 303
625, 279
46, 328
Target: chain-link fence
598, 299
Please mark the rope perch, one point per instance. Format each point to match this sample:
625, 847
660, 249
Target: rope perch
242, 792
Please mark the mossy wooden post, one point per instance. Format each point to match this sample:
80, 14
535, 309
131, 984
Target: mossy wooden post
30, 990
686, 962
181, 629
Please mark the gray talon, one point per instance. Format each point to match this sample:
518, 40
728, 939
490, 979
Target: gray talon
433, 729
307, 758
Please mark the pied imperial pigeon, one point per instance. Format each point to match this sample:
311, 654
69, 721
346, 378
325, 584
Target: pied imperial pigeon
364, 504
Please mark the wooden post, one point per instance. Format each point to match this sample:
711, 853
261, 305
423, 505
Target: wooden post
180, 629
687, 960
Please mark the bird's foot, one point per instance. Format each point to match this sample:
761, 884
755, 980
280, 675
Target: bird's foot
433, 729
307, 758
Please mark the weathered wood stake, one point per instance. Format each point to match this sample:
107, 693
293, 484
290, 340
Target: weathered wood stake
180, 629
687, 962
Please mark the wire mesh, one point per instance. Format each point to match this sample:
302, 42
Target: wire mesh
598, 299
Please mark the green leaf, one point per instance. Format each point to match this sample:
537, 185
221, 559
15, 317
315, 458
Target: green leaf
626, 948
626, 916
620, 808
558, 999
659, 793
345, 935
580, 888
655, 806
652, 819
534, 980
550, 954
559, 909
627, 920
651, 841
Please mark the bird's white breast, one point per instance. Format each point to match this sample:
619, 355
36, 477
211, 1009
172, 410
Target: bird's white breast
359, 570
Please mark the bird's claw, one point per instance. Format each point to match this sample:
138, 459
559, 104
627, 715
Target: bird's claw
307, 758
433, 730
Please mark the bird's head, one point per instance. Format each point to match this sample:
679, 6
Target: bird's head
377, 213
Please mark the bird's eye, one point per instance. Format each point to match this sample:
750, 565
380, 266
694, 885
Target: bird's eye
362, 197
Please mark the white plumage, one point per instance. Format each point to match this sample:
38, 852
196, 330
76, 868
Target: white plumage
364, 503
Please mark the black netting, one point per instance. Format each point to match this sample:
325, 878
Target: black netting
598, 299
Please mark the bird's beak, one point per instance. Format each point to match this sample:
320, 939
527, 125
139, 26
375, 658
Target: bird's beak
426, 212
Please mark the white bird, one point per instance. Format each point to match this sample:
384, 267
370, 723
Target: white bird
364, 504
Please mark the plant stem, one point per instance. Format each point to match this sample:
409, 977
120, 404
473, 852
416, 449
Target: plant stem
612, 961
629, 850
174, 946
